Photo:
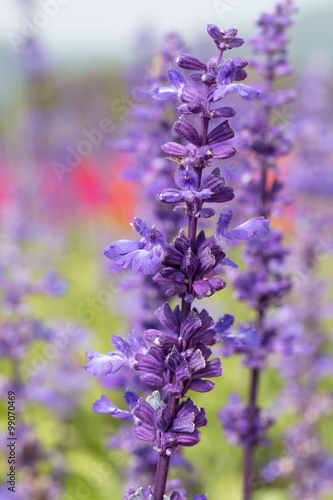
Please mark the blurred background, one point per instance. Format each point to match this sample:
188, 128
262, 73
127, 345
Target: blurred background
71, 71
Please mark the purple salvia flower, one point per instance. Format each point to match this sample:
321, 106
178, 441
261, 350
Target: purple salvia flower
310, 464
264, 283
154, 120
178, 355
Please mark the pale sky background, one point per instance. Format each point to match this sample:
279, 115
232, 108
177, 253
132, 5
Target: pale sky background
89, 28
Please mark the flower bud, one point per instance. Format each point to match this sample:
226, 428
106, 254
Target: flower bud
186, 61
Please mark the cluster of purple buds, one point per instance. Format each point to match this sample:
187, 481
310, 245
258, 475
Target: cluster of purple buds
168, 366
237, 426
265, 281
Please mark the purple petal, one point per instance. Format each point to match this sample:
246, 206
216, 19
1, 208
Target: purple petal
144, 433
141, 261
223, 152
104, 405
121, 247
131, 398
223, 195
176, 495
221, 133
191, 108
227, 72
180, 210
152, 379
189, 263
206, 213
223, 222
172, 390
201, 288
174, 360
204, 153
170, 195
225, 111
196, 77
162, 418
215, 32
197, 361
144, 412
122, 345
204, 194
140, 226
213, 369
177, 79
199, 385
189, 94
191, 324
183, 424
240, 62
146, 362
230, 33
258, 226
187, 61
224, 323
163, 93
241, 75
165, 316
216, 284
214, 180
174, 149
248, 337
236, 42
185, 129
246, 92
188, 439
103, 364
228, 262
137, 342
